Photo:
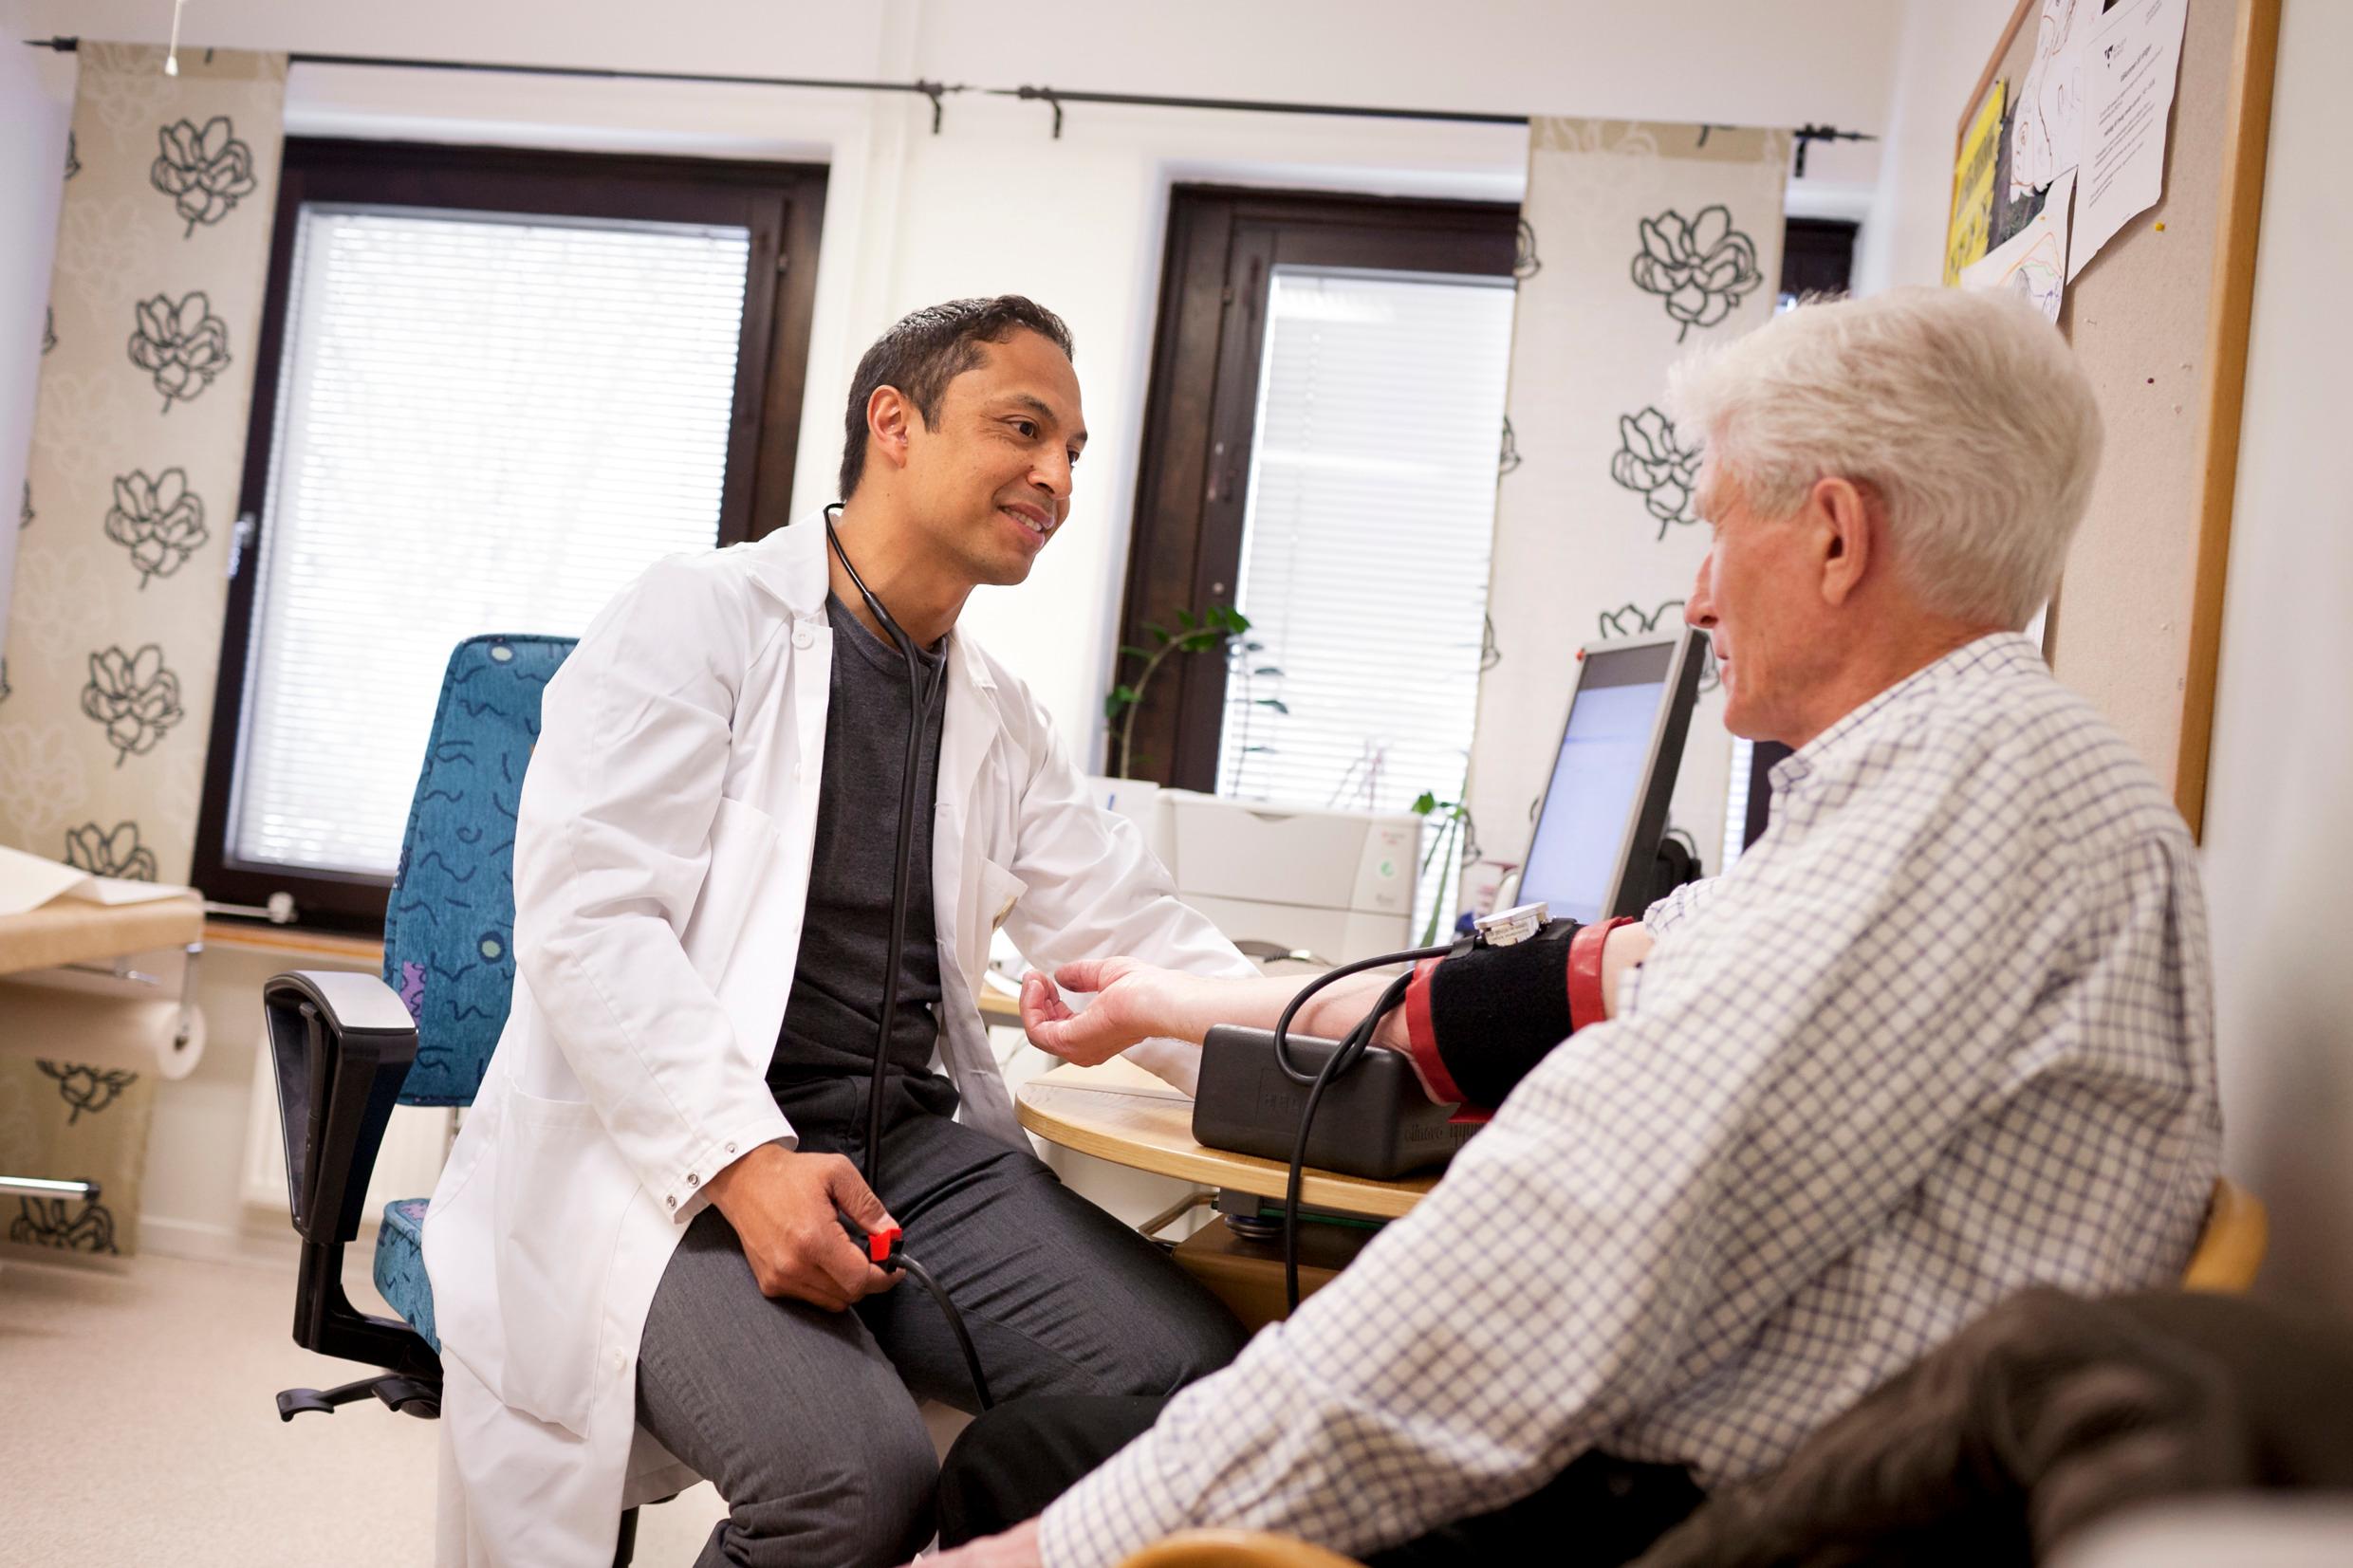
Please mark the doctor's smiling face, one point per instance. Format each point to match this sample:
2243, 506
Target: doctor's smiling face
988, 478
963, 427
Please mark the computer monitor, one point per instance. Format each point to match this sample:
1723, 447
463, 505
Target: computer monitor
1605, 805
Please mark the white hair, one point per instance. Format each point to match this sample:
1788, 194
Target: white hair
1964, 412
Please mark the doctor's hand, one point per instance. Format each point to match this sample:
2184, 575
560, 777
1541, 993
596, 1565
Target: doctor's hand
785, 1207
1133, 1002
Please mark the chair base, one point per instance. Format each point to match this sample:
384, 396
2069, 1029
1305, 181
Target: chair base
413, 1396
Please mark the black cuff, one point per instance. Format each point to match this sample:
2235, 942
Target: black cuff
1495, 1012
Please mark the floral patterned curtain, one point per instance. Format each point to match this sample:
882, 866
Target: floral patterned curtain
128, 516
1638, 242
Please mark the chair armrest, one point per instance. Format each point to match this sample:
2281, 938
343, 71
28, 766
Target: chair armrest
1234, 1549
342, 1044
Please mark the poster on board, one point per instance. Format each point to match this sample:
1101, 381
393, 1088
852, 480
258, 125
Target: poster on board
1971, 230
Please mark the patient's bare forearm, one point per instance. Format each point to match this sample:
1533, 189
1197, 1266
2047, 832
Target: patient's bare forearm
1200, 1005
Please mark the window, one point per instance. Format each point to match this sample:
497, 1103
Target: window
1365, 538
493, 387
1320, 451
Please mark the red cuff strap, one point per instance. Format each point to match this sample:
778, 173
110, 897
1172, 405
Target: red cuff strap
1422, 1037
1586, 1003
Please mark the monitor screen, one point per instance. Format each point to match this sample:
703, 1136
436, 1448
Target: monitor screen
1598, 779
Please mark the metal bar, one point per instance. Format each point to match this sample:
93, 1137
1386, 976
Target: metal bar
39, 1186
936, 91
115, 971
1176, 1212
1249, 105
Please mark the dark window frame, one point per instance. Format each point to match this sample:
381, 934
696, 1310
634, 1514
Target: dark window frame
1201, 407
782, 206
1200, 412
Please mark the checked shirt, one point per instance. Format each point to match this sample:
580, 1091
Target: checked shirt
1944, 1031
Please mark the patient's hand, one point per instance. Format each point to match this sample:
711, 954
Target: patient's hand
1133, 1002
786, 1208
1016, 1548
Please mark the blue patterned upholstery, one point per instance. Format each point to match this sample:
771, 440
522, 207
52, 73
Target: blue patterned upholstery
449, 926
401, 1267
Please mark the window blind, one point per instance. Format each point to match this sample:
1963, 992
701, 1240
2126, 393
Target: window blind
1366, 536
486, 424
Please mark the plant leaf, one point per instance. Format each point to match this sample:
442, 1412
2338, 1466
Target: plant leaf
1275, 703
1424, 804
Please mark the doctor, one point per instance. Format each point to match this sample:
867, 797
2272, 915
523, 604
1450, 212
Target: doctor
634, 1251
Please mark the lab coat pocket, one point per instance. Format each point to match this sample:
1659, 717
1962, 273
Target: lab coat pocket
561, 1195
1000, 890
987, 899
743, 843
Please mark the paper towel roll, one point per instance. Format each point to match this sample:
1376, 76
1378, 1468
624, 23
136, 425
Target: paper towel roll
62, 1022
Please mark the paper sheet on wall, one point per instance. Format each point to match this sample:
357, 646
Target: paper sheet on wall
2034, 260
1971, 227
2129, 75
2046, 114
28, 882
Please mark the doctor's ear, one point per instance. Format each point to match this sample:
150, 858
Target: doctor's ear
890, 416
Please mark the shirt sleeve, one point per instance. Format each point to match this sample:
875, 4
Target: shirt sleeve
1680, 905
1637, 1211
613, 844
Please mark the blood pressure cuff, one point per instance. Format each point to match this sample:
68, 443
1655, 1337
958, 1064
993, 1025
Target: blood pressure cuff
1479, 1023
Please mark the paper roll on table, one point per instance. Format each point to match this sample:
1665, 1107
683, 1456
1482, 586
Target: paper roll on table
100, 1022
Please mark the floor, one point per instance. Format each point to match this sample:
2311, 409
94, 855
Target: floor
138, 1425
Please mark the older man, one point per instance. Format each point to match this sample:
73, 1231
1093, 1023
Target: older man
1943, 1032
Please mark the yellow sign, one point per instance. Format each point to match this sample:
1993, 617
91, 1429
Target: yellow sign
1968, 236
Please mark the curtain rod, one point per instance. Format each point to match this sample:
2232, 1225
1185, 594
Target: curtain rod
937, 92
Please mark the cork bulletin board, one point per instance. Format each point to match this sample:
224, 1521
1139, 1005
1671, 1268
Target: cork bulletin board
2158, 320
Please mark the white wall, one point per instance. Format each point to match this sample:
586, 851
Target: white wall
993, 203
2279, 825
36, 90
1942, 46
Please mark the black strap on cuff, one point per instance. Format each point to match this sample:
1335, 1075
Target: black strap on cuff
1497, 1011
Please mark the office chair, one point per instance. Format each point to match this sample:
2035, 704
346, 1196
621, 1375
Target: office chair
349, 1047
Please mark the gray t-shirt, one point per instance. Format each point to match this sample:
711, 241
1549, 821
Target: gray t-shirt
835, 1005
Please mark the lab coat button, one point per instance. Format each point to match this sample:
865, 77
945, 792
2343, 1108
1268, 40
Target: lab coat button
672, 1202
803, 637
693, 1180
731, 1148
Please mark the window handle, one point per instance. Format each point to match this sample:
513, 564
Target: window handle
239, 536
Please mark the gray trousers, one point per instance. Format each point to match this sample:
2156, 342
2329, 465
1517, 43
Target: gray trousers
805, 1419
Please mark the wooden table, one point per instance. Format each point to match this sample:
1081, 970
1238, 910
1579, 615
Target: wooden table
67, 930
1120, 1112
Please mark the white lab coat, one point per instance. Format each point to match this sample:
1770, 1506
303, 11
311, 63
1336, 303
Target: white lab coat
661, 873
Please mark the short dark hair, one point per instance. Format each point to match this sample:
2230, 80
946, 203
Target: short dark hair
929, 348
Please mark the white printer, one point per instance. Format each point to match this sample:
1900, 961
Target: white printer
1338, 884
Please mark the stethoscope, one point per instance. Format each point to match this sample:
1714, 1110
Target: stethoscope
925, 697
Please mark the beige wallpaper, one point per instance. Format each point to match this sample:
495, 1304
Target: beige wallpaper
1638, 243
128, 511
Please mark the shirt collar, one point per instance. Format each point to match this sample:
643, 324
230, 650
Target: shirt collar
1997, 651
